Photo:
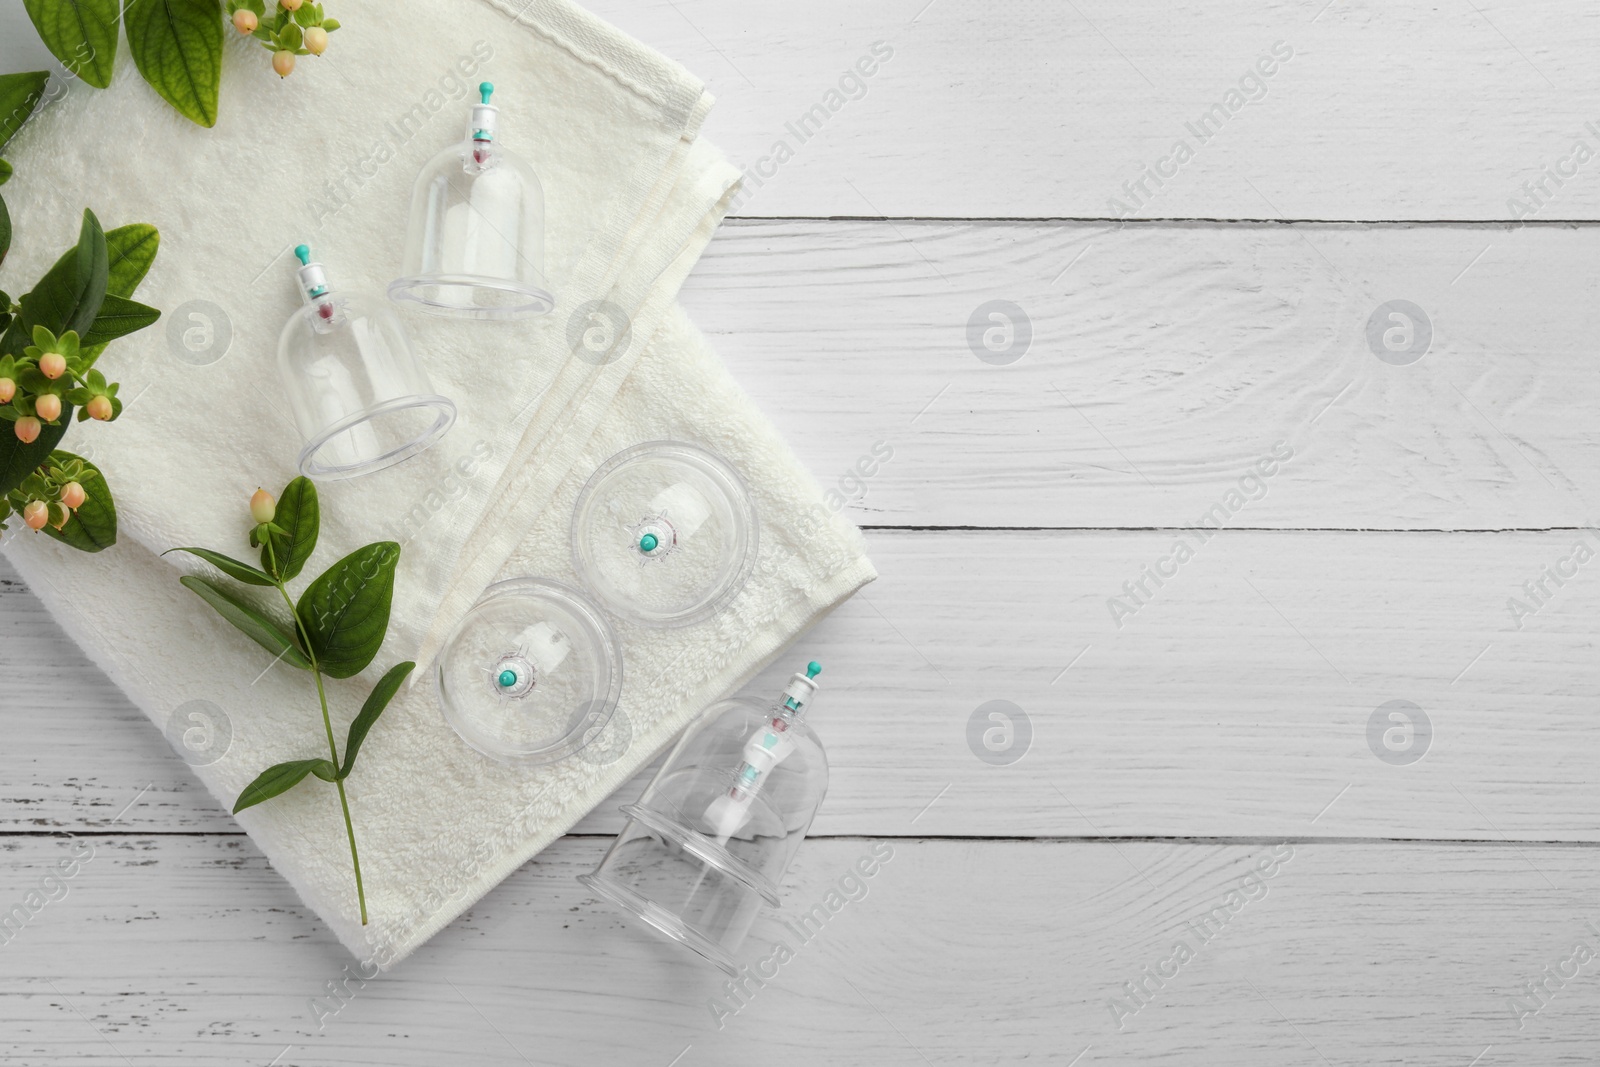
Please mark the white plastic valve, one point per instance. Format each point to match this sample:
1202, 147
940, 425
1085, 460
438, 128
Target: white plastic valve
797, 694
727, 815
684, 506
313, 279
485, 116
544, 646
766, 748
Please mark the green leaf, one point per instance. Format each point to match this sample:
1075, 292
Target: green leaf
5, 232
18, 460
92, 273
118, 317
346, 611
377, 701
5, 172
69, 296
299, 518
82, 34
260, 629
93, 526
19, 95
177, 46
130, 250
35, 382
228, 565
281, 778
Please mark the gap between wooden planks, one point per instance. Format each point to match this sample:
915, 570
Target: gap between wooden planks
191, 950
1393, 111
1236, 701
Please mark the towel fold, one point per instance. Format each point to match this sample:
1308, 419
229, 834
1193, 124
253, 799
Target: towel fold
327, 157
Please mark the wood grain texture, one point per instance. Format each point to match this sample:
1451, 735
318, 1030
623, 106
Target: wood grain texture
1386, 110
1235, 700
1164, 361
184, 950
1231, 710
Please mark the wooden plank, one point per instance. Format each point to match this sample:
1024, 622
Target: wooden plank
1164, 362
191, 950
1385, 111
1235, 700
1390, 111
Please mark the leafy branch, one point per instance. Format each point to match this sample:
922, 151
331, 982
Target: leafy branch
335, 630
176, 44
50, 340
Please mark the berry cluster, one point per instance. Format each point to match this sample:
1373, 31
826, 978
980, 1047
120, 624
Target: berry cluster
295, 28
53, 372
48, 496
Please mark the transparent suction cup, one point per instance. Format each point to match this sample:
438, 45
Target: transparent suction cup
360, 397
531, 673
664, 533
475, 242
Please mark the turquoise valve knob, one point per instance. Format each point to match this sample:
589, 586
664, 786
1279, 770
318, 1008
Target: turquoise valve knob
487, 89
507, 679
303, 253
648, 543
813, 669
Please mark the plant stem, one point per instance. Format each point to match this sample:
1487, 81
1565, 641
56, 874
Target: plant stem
327, 725
344, 803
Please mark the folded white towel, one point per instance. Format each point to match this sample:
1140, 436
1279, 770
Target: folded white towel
328, 157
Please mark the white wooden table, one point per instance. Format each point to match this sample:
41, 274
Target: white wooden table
1204, 752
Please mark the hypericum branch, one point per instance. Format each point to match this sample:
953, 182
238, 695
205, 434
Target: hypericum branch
336, 629
50, 340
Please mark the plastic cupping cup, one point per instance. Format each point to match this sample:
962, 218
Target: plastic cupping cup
360, 397
530, 674
664, 533
475, 238
709, 841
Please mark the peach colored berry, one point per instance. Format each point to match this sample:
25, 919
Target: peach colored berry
245, 21
27, 429
36, 514
283, 62
48, 407
8, 389
262, 506
316, 40
99, 408
73, 496
290, 5
52, 365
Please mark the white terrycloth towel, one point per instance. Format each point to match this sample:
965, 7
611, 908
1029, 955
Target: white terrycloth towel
328, 157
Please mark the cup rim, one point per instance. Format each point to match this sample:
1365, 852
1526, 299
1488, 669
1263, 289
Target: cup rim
446, 417
535, 300
659, 919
